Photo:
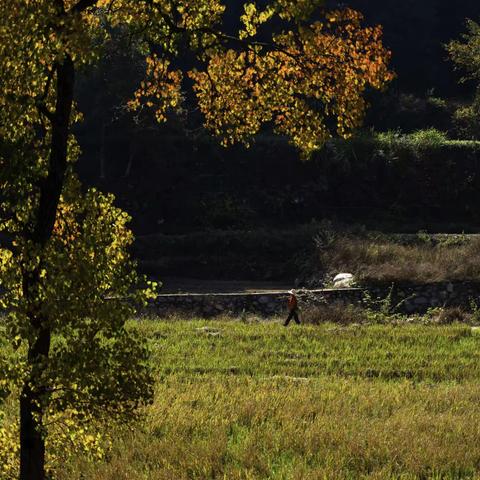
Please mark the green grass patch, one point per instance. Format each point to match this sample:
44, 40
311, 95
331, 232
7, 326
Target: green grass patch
259, 401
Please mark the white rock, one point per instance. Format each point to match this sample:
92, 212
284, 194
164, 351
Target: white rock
343, 280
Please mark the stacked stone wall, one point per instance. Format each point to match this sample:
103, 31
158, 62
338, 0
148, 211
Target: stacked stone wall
404, 298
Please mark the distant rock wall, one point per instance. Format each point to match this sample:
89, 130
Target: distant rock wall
406, 299
411, 298
264, 303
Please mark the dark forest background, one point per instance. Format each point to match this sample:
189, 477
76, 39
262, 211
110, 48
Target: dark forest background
423, 174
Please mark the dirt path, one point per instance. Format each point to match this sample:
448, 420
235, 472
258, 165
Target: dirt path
191, 285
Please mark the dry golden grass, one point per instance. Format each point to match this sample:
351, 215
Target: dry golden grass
294, 429
381, 260
259, 401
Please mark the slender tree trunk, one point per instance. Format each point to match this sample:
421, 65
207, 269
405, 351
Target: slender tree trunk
32, 441
102, 149
131, 155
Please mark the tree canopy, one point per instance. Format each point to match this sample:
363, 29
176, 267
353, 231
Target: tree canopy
65, 269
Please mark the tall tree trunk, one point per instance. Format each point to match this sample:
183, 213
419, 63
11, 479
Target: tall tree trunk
32, 441
103, 134
131, 155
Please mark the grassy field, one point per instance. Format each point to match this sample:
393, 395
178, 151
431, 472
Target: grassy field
258, 401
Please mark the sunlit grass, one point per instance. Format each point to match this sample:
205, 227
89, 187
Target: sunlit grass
259, 401
387, 260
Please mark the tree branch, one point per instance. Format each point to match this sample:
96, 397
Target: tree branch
41, 105
247, 44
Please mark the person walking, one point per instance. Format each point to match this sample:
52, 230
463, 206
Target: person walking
292, 309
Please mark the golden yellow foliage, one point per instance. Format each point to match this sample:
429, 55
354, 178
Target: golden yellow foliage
67, 275
308, 80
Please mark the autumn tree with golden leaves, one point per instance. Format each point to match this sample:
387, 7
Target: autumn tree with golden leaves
65, 269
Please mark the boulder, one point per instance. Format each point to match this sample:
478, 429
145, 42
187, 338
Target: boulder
344, 280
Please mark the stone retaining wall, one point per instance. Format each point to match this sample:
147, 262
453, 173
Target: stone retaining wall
406, 299
265, 303
419, 298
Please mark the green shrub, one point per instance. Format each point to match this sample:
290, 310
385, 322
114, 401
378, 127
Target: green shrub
429, 138
419, 140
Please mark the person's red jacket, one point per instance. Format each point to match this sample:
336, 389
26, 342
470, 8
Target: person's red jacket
292, 302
